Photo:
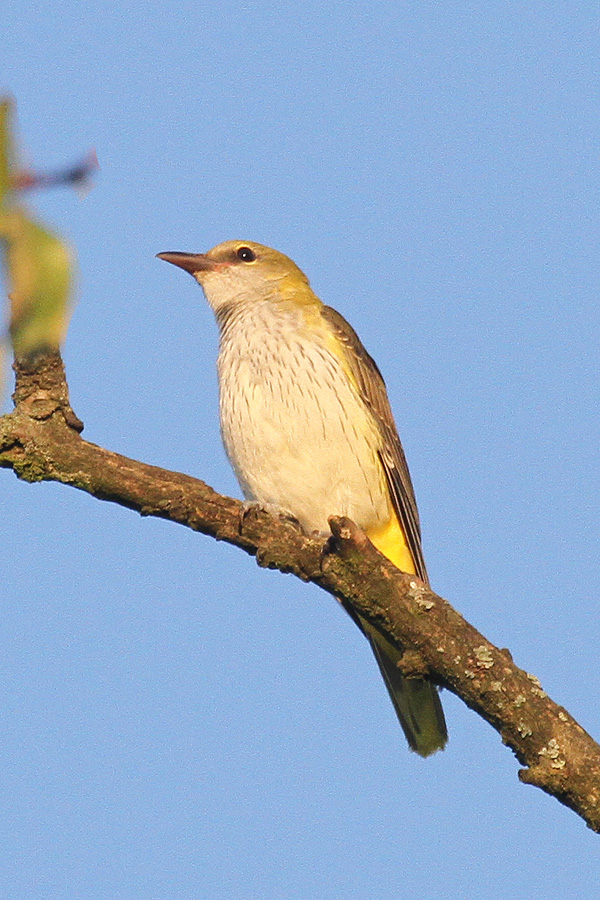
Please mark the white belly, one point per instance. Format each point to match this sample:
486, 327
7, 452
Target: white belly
298, 436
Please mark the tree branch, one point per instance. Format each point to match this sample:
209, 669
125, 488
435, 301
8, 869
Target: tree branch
41, 441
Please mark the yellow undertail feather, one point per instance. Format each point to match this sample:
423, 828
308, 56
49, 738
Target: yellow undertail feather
390, 541
415, 700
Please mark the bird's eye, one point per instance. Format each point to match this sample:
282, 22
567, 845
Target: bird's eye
246, 254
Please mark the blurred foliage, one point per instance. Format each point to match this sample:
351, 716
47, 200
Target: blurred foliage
39, 269
5, 148
38, 265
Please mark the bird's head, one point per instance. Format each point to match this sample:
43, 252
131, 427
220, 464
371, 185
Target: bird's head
242, 271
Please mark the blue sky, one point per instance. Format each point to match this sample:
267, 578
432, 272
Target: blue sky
176, 723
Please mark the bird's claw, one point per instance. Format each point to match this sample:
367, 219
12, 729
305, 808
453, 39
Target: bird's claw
253, 507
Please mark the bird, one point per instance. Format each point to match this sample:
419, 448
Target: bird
308, 428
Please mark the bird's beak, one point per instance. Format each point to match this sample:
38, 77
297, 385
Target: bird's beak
191, 262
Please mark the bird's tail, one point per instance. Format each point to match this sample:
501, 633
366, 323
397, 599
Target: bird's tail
416, 700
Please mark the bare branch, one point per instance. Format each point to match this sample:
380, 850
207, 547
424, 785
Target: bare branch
41, 440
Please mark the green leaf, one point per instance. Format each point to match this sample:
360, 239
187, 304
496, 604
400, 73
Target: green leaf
6, 147
39, 267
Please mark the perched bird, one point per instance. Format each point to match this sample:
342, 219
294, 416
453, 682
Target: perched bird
308, 428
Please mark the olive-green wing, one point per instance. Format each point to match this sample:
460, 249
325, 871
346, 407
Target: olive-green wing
415, 700
372, 390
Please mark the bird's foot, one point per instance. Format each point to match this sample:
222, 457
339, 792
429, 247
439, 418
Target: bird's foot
251, 508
